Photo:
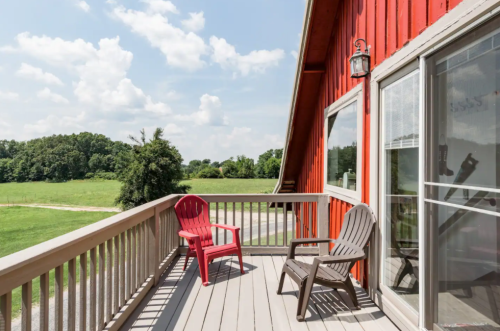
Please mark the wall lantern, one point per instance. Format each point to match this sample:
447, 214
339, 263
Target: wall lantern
360, 62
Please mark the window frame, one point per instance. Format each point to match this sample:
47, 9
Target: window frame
354, 95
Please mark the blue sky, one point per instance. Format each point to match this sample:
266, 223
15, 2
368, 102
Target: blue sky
217, 75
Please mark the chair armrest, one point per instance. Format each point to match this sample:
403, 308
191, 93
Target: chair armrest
188, 235
356, 256
234, 229
300, 241
226, 227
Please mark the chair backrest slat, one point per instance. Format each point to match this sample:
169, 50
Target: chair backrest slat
354, 235
192, 214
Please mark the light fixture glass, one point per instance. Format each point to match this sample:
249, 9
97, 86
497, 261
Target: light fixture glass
360, 61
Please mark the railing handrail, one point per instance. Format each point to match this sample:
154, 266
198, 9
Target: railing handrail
20, 267
289, 197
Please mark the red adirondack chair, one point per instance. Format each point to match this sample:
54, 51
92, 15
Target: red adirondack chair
194, 220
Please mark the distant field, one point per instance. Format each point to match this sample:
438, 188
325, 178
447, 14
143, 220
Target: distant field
75, 192
230, 186
103, 193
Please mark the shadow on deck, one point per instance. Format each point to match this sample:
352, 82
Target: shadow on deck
247, 302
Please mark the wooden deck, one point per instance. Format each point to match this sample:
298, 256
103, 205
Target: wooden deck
247, 302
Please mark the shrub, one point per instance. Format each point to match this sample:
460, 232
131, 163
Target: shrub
209, 172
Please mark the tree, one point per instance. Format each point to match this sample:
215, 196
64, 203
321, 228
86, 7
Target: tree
216, 164
229, 169
209, 172
245, 167
155, 171
272, 167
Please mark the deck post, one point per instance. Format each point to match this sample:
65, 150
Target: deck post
323, 222
154, 246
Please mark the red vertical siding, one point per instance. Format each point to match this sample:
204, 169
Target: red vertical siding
387, 25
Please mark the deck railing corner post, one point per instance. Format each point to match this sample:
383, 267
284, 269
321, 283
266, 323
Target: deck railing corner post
323, 222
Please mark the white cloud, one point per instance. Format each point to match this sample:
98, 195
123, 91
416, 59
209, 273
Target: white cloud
173, 95
196, 22
83, 6
53, 124
4, 124
181, 49
160, 6
256, 61
30, 72
1, 68
210, 112
294, 54
47, 94
102, 72
10, 96
172, 130
111, 2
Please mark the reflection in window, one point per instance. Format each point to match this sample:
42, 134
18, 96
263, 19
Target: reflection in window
342, 148
400, 107
463, 165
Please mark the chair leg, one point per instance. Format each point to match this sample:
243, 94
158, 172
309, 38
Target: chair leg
352, 293
241, 262
186, 262
304, 295
282, 280
205, 281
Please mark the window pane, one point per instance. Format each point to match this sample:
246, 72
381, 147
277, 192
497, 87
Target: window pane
400, 105
468, 268
342, 148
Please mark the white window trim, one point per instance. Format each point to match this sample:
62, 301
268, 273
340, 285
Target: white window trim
354, 95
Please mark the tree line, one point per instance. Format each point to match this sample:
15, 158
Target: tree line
267, 166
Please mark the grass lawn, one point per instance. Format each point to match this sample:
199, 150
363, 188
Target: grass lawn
23, 227
103, 193
230, 186
272, 239
75, 192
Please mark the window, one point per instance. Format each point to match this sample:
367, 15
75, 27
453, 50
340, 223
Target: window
400, 143
343, 146
462, 177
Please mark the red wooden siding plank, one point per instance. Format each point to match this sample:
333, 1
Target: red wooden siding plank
380, 33
392, 25
453, 3
371, 29
403, 25
437, 8
349, 41
418, 17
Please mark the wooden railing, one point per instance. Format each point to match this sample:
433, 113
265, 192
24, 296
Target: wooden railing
120, 258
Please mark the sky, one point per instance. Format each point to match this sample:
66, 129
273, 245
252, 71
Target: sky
216, 75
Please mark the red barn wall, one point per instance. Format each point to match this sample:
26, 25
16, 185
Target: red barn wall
387, 26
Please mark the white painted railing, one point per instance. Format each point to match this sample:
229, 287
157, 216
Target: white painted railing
122, 257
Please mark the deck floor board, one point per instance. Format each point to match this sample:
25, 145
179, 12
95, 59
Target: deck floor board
248, 302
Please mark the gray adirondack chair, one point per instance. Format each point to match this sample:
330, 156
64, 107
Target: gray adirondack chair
331, 270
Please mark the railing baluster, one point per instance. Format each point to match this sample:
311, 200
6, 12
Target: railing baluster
83, 292
134, 259
251, 224
216, 222
301, 234
116, 273
258, 216
309, 206
93, 289
267, 211
44, 302
225, 222
140, 260
59, 298
109, 279
285, 223
294, 221
242, 224
6, 312
102, 277
234, 213
27, 296
128, 268
275, 224
143, 252
122, 270
71, 294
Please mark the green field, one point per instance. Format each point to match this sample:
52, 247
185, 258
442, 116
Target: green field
103, 193
23, 227
75, 193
